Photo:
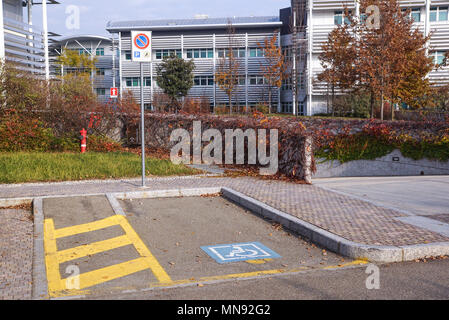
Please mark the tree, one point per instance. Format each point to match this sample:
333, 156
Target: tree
79, 63
338, 60
387, 59
274, 67
227, 70
393, 48
175, 77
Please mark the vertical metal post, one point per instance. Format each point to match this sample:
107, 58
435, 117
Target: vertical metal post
2, 33
45, 32
142, 123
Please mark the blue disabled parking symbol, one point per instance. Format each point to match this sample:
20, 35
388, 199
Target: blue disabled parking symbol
227, 253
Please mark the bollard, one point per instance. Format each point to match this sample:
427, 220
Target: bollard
83, 139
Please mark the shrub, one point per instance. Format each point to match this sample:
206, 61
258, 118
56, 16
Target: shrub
196, 105
23, 134
103, 144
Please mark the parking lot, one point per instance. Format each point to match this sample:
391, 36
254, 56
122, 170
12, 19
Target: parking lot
166, 243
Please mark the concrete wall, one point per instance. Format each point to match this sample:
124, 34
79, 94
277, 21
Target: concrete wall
394, 164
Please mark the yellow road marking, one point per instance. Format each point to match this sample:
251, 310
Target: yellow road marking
252, 274
88, 227
95, 277
93, 248
151, 261
57, 287
51, 259
261, 261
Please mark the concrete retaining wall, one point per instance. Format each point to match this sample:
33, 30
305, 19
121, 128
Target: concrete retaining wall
394, 164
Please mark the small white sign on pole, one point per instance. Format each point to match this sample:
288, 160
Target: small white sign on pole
114, 93
141, 46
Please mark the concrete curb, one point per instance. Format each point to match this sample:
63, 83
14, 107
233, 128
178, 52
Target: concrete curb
40, 288
335, 243
196, 192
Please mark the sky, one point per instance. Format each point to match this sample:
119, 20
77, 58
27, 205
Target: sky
94, 14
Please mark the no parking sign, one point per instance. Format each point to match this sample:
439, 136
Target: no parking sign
141, 46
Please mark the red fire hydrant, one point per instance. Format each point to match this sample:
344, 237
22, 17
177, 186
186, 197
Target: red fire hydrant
83, 140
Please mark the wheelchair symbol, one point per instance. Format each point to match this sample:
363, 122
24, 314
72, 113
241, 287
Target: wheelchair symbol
239, 252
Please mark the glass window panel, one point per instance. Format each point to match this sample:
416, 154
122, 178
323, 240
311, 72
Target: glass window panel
416, 15
442, 14
338, 17
433, 14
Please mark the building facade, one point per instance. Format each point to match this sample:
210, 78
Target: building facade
205, 41
21, 42
315, 19
103, 49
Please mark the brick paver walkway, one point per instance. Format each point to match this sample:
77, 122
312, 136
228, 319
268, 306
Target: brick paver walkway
16, 254
353, 219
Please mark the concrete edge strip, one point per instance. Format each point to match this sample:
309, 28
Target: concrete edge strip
137, 180
4, 203
40, 289
408, 213
118, 210
173, 193
426, 223
334, 242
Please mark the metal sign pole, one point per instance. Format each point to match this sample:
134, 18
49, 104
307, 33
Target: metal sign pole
142, 123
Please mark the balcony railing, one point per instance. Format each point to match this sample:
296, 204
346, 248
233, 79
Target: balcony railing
24, 46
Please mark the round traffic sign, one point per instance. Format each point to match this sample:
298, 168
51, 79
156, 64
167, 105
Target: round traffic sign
141, 41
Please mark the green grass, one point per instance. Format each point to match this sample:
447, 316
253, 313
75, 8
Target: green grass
46, 167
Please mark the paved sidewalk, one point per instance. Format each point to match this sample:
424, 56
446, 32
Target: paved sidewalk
353, 219
16, 254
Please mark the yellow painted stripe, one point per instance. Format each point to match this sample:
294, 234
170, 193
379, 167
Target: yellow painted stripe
88, 227
51, 258
353, 263
151, 261
253, 274
95, 277
93, 248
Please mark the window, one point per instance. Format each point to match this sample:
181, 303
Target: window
287, 107
135, 82
256, 80
100, 72
128, 55
287, 84
100, 91
442, 14
339, 17
414, 14
100, 52
204, 81
438, 57
438, 14
200, 53
237, 53
161, 54
256, 52
83, 52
